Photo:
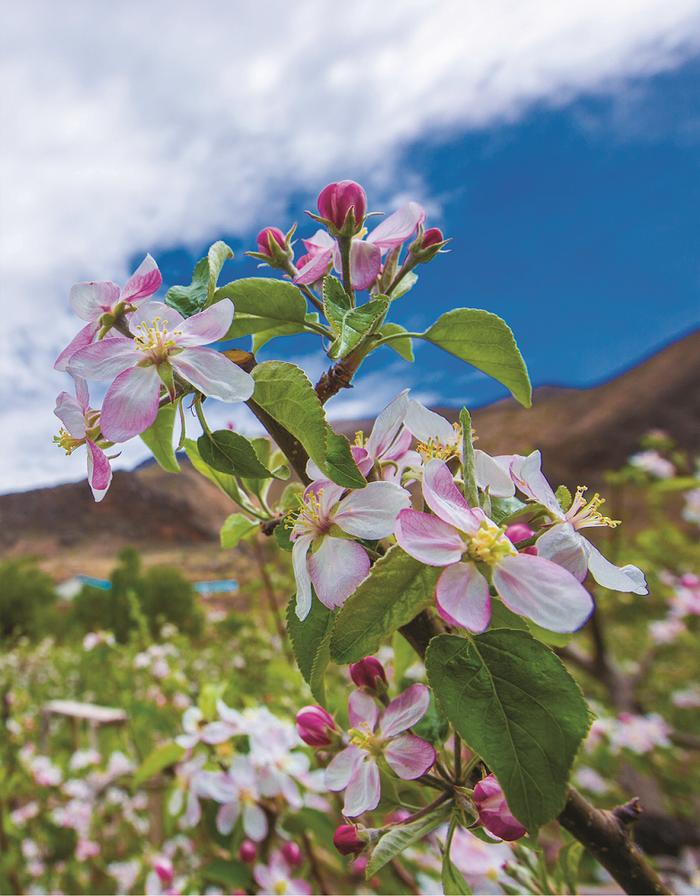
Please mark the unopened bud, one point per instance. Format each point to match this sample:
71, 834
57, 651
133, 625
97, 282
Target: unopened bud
346, 840
247, 852
343, 205
368, 673
494, 814
427, 245
274, 247
315, 726
163, 867
518, 532
268, 238
292, 853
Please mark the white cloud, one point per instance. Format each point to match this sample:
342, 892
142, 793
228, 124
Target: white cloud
132, 126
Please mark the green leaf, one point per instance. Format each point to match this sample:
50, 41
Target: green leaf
486, 342
264, 336
286, 394
235, 529
233, 874
506, 510
563, 496
408, 281
158, 438
229, 452
453, 882
188, 300
395, 591
157, 760
224, 481
262, 304
553, 639
335, 300
468, 466
355, 324
404, 657
403, 347
310, 643
397, 839
513, 702
282, 537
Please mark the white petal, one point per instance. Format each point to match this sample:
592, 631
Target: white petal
213, 374
336, 569
428, 426
387, 425
363, 791
301, 575
340, 768
494, 473
371, 512
563, 545
617, 578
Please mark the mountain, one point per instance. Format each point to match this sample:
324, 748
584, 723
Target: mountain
581, 433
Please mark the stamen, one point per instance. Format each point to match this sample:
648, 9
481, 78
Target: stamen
156, 339
433, 449
489, 544
583, 514
66, 441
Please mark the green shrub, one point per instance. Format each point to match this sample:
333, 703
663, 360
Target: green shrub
27, 599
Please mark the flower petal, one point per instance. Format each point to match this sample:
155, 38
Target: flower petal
362, 458
227, 816
99, 471
397, 228
336, 569
563, 545
405, 710
339, 770
444, 498
90, 300
148, 312
254, 822
542, 591
213, 374
145, 280
527, 475
493, 473
319, 242
428, 426
301, 575
315, 268
617, 578
387, 425
80, 340
362, 708
363, 791
409, 756
131, 403
371, 512
71, 415
365, 264
105, 359
207, 326
428, 538
462, 596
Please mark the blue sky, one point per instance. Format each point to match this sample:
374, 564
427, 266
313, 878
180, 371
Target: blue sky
557, 144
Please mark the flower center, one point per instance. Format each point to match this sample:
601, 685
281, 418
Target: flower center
584, 513
66, 441
360, 439
489, 544
365, 739
280, 888
311, 517
434, 449
156, 340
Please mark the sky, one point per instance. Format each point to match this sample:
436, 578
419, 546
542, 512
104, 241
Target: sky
557, 144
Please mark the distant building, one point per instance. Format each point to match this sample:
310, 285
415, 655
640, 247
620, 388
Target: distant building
73, 586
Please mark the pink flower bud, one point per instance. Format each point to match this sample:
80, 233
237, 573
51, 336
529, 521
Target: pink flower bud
315, 726
368, 673
519, 532
247, 852
431, 237
346, 840
493, 810
270, 235
163, 867
292, 853
337, 201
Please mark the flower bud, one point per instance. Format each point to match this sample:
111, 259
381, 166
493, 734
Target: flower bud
268, 238
315, 726
292, 854
163, 867
343, 205
346, 840
426, 245
521, 532
431, 237
494, 814
368, 673
248, 852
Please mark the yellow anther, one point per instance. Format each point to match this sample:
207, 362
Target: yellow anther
583, 514
434, 449
66, 441
489, 544
156, 339
360, 439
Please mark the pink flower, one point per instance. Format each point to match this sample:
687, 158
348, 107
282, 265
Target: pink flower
341, 201
346, 841
238, 792
82, 427
459, 537
481, 863
92, 300
493, 810
275, 877
315, 726
163, 867
334, 564
267, 238
563, 543
372, 734
368, 673
164, 344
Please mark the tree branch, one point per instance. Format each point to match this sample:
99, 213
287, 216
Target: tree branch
292, 449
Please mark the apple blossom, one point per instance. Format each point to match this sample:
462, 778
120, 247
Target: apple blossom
292, 853
275, 877
493, 810
315, 726
343, 204
369, 673
164, 344
466, 541
374, 734
346, 841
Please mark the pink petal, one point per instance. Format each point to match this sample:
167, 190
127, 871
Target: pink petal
400, 448
131, 403
371, 512
542, 591
363, 791
145, 280
428, 426
336, 569
105, 359
81, 392
527, 475
397, 228
409, 756
80, 340
301, 575
564, 546
90, 300
319, 242
463, 598
315, 268
362, 459
362, 709
340, 768
71, 415
207, 326
254, 822
226, 817
216, 733
149, 312
428, 538
405, 710
493, 473
444, 498
387, 425
365, 264
213, 374
617, 578
99, 471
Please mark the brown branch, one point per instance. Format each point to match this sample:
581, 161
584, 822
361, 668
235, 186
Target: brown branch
293, 450
338, 377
